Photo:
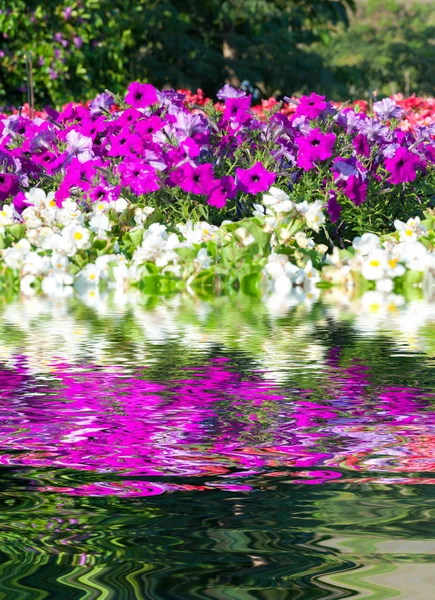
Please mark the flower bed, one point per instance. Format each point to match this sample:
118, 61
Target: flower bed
146, 191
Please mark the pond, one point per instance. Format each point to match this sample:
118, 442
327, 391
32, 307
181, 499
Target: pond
217, 448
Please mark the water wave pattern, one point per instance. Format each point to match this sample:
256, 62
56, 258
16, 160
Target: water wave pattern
226, 448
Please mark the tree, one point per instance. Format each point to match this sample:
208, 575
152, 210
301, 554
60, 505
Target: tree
81, 47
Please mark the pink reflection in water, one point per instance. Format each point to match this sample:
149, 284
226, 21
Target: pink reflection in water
215, 423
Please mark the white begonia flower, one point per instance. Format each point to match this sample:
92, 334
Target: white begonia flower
142, 214
312, 275
198, 232
14, 256
259, 211
31, 218
59, 262
314, 215
56, 284
119, 205
7, 215
384, 285
100, 207
203, 260
36, 196
77, 235
413, 254
52, 241
394, 268
375, 265
69, 213
367, 243
278, 201
90, 274
50, 202
35, 264
274, 196
244, 236
411, 230
26, 285
303, 241
100, 224
119, 275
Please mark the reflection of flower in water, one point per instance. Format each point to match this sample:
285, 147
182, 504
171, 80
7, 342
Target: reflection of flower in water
76, 391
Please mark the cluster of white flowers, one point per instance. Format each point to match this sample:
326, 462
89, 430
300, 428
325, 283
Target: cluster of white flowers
54, 238
383, 261
55, 249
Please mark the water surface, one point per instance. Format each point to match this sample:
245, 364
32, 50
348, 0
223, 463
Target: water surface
226, 448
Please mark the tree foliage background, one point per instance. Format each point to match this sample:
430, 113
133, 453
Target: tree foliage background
81, 47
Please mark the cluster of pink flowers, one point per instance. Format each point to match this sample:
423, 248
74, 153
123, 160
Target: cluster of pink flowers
154, 140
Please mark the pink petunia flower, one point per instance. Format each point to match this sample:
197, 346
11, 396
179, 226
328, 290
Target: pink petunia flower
141, 95
255, 180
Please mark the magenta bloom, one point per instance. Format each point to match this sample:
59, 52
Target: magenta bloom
315, 146
355, 189
140, 177
255, 180
237, 109
403, 166
197, 180
104, 193
333, 207
141, 95
311, 106
361, 145
9, 185
226, 189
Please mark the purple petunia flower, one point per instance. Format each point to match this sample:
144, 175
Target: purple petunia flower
361, 145
140, 177
237, 109
225, 190
104, 193
141, 95
343, 168
355, 189
387, 109
311, 106
9, 185
255, 180
403, 166
197, 180
101, 103
315, 146
333, 207
229, 92
374, 130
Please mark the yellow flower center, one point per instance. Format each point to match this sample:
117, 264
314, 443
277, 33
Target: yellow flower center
392, 262
92, 276
52, 202
374, 307
3, 213
78, 235
409, 232
375, 263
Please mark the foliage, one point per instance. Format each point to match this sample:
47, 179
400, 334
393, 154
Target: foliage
80, 47
388, 48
